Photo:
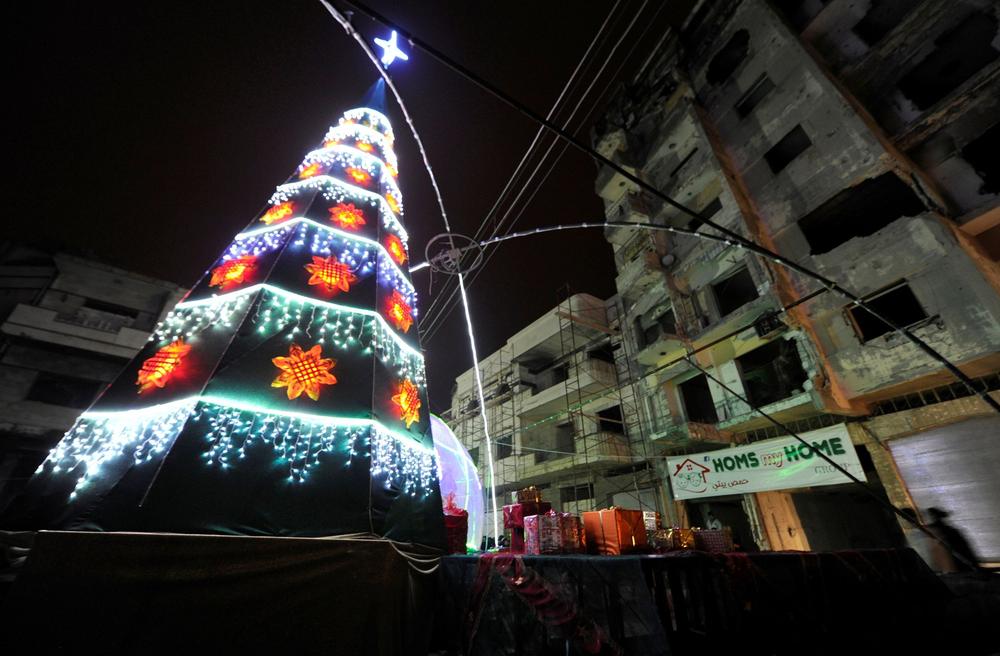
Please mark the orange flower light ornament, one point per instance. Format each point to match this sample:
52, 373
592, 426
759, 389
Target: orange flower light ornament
304, 371
346, 216
407, 399
233, 272
278, 212
330, 273
358, 175
399, 311
157, 370
397, 251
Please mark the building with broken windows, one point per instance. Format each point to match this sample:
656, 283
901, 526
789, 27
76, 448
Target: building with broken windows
67, 327
858, 139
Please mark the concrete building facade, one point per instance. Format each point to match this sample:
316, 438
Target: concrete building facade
67, 327
850, 137
562, 413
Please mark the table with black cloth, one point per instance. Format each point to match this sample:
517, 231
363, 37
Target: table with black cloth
690, 602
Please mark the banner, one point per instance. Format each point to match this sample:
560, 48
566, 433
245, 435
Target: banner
779, 464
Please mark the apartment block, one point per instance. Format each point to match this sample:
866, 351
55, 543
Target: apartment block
851, 138
67, 326
561, 412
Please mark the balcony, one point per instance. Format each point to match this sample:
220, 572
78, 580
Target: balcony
590, 376
666, 345
632, 207
83, 330
690, 433
602, 448
639, 274
739, 417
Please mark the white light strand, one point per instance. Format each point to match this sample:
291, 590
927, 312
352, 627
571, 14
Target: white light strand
349, 156
299, 442
330, 233
303, 301
337, 190
363, 134
96, 439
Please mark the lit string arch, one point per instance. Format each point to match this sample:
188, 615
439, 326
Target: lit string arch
381, 65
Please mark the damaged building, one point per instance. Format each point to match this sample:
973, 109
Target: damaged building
859, 140
68, 325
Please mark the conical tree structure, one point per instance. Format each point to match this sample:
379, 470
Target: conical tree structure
285, 395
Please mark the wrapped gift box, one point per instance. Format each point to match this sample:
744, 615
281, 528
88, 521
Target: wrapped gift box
572, 532
651, 519
456, 525
515, 540
543, 534
530, 494
672, 539
714, 540
514, 513
614, 531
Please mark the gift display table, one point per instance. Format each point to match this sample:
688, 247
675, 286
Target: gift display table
690, 603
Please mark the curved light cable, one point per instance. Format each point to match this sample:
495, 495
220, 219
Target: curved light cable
346, 24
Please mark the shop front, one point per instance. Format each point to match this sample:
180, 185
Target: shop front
781, 494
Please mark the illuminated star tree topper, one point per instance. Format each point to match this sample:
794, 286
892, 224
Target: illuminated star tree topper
390, 50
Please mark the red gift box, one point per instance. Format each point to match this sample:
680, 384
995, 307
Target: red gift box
456, 525
514, 513
614, 531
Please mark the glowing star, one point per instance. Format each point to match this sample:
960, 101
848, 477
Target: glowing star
233, 272
311, 170
397, 251
365, 146
358, 175
390, 50
393, 203
332, 274
156, 371
304, 371
399, 311
347, 216
408, 399
278, 212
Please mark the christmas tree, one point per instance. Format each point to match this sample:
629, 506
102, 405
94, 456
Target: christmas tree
285, 394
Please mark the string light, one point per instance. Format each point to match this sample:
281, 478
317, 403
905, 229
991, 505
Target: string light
336, 191
298, 441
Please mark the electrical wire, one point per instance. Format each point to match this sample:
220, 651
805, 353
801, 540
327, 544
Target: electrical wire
701, 220
432, 314
443, 315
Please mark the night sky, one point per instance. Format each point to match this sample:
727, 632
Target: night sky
147, 134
